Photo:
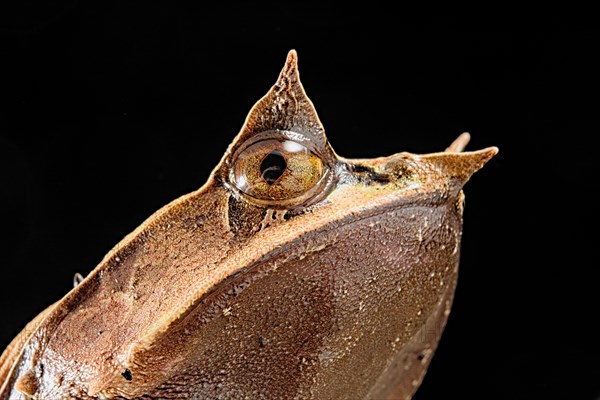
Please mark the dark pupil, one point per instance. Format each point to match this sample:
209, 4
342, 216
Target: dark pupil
272, 167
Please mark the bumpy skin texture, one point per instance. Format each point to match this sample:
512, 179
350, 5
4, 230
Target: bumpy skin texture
216, 295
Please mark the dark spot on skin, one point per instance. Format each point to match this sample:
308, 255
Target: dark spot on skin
127, 375
421, 356
262, 341
272, 167
287, 216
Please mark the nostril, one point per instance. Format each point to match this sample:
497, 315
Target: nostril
368, 174
380, 178
358, 168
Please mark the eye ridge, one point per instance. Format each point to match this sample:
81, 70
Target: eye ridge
273, 166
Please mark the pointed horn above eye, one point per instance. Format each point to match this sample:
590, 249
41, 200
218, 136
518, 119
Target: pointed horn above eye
285, 107
460, 166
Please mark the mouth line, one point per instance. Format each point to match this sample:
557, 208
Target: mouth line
310, 239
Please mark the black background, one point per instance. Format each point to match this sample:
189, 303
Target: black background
109, 112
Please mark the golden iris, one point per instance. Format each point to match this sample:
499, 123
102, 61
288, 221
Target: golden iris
276, 170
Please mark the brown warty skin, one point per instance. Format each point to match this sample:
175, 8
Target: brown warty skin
293, 273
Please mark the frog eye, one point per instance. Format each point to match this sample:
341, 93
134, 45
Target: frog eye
276, 171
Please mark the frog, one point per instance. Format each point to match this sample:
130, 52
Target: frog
292, 273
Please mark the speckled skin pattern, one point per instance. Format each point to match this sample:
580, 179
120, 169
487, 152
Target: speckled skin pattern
342, 293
